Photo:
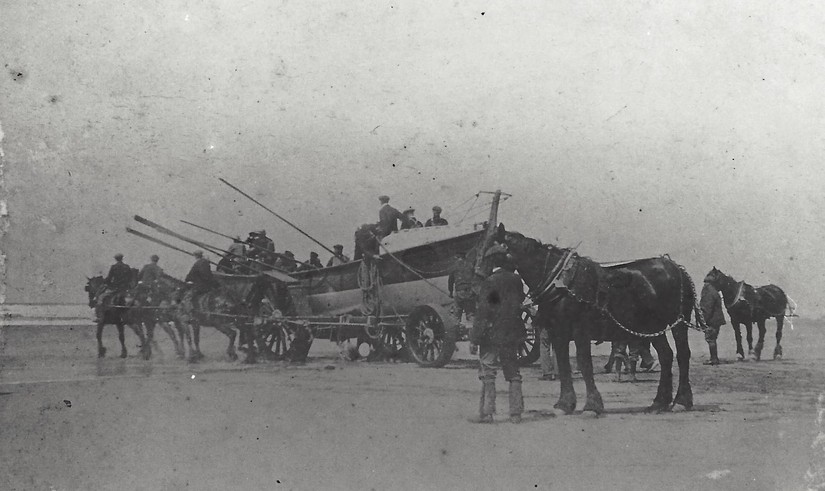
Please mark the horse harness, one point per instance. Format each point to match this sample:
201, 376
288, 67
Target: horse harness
559, 282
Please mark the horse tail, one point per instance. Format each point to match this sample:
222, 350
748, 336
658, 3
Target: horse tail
686, 278
790, 306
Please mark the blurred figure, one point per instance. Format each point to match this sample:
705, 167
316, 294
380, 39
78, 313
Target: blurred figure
339, 257
436, 220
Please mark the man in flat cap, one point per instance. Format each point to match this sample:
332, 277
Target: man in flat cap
339, 257
117, 283
436, 220
388, 216
200, 275
498, 330
152, 271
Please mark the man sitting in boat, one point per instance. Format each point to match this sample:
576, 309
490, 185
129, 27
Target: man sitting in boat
339, 257
409, 219
287, 262
313, 263
436, 220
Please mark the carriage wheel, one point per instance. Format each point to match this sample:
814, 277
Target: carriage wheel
529, 349
430, 333
394, 342
273, 333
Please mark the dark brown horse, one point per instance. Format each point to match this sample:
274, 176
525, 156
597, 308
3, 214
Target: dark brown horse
154, 304
234, 305
114, 311
746, 305
581, 301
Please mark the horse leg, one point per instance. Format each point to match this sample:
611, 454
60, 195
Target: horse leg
684, 393
249, 332
145, 341
664, 395
593, 401
196, 338
101, 351
749, 330
757, 350
777, 352
121, 336
737, 333
230, 333
169, 332
567, 396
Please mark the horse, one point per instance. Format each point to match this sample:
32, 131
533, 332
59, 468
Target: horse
153, 303
113, 312
233, 305
580, 301
746, 305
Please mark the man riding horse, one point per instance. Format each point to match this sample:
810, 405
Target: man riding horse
119, 280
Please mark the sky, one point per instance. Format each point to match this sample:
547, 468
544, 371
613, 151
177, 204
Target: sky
633, 128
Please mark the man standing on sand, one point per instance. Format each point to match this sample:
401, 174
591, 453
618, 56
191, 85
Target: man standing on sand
711, 305
498, 331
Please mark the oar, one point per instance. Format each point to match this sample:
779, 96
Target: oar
277, 274
277, 215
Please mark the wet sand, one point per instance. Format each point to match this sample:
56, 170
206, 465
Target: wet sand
71, 421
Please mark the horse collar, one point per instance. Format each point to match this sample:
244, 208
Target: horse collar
558, 280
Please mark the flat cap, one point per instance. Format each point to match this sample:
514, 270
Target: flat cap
437, 208
118, 256
384, 198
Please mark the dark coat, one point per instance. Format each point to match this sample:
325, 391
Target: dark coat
462, 277
711, 306
435, 222
388, 218
151, 272
498, 320
201, 276
119, 277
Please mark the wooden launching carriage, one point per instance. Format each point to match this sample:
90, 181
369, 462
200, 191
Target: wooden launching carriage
412, 318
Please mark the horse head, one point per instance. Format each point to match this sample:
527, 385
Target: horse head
93, 287
717, 278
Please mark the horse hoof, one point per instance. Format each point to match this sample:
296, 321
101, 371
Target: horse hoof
124, 354
566, 408
740, 356
657, 407
679, 408
101, 352
233, 357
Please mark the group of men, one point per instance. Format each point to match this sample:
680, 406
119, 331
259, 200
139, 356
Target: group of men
389, 218
257, 253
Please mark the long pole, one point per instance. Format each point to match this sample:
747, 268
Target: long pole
212, 249
277, 274
492, 225
277, 215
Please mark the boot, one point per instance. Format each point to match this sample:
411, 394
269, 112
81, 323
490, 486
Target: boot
516, 401
487, 403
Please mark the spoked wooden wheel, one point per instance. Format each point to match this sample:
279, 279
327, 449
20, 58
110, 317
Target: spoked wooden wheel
394, 342
273, 333
529, 349
430, 335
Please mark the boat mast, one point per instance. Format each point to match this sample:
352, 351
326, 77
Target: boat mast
492, 225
